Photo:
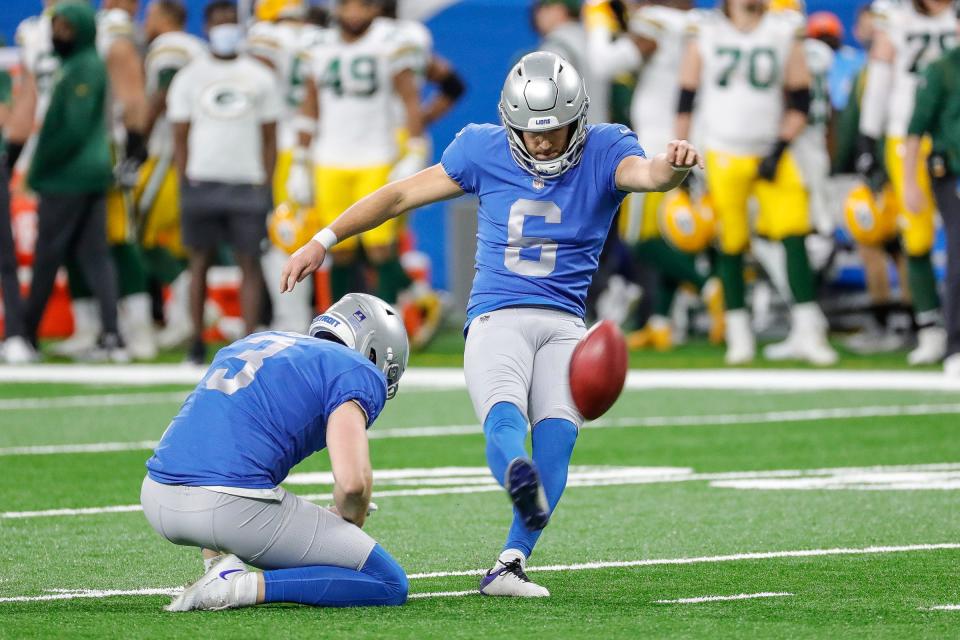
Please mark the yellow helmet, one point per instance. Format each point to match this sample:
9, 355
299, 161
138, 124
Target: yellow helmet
788, 5
289, 226
686, 226
869, 221
273, 10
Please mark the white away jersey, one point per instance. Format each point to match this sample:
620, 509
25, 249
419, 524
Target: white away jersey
33, 38
919, 40
740, 103
653, 110
168, 53
355, 84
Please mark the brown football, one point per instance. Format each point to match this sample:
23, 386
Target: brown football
598, 369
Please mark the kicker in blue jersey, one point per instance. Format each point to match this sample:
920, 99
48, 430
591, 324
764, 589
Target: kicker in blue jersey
261, 408
538, 241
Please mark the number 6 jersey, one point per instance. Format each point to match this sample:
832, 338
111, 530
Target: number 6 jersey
355, 84
740, 102
538, 241
261, 408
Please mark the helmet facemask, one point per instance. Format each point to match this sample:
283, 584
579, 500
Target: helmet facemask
544, 92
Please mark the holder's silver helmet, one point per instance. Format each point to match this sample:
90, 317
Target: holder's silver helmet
542, 92
371, 327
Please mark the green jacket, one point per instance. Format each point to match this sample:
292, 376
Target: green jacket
937, 109
6, 95
73, 153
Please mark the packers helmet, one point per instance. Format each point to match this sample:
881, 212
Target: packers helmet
273, 10
687, 226
870, 221
788, 5
289, 226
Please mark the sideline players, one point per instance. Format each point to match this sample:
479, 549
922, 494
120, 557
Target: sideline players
549, 186
157, 194
355, 74
908, 37
267, 402
749, 66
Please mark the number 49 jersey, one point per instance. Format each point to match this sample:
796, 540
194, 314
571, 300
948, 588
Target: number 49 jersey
538, 241
355, 83
741, 90
261, 408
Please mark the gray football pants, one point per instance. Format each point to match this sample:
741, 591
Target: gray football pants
264, 533
522, 356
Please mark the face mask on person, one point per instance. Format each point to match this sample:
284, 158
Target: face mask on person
225, 39
62, 46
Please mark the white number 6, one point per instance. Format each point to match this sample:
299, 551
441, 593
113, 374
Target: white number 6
253, 360
519, 212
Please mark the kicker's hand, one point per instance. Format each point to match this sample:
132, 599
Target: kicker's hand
681, 155
301, 264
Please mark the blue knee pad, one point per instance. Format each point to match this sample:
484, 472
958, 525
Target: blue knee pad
505, 429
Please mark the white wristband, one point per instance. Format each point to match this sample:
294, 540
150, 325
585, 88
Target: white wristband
326, 237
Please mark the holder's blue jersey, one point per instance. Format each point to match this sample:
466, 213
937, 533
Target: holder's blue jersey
538, 242
261, 408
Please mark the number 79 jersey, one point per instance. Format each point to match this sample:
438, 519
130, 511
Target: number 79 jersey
261, 408
538, 241
355, 84
740, 102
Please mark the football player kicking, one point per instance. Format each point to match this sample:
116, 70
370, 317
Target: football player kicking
549, 185
267, 402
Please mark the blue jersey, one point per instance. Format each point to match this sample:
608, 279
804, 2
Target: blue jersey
538, 241
261, 408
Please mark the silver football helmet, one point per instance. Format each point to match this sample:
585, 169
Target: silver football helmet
371, 327
542, 92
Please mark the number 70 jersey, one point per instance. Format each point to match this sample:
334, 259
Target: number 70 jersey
740, 102
538, 241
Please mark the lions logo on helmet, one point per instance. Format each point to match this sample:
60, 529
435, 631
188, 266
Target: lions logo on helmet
686, 226
870, 222
289, 226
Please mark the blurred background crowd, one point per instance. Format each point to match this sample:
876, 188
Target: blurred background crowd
164, 157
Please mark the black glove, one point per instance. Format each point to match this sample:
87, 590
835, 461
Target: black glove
866, 163
13, 153
768, 166
128, 170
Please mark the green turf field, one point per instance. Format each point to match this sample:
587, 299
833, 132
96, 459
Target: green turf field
652, 513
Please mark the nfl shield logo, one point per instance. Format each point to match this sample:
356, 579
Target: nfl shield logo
538, 184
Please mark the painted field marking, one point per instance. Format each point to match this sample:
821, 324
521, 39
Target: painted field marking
435, 378
92, 400
586, 566
443, 594
739, 596
944, 607
730, 419
580, 476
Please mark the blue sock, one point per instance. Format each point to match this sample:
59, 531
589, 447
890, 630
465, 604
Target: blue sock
506, 432
381, 581
553, 441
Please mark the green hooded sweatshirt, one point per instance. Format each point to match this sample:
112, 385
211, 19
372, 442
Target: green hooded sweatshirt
73, 153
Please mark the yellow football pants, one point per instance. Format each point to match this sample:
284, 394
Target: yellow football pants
916, 229
338, 188
732, 180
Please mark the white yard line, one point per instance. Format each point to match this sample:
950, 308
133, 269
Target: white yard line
944, 607
426, 378
586, 566
93, 400
443, 594
739, 596
735, 557
615, 476
439, 431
